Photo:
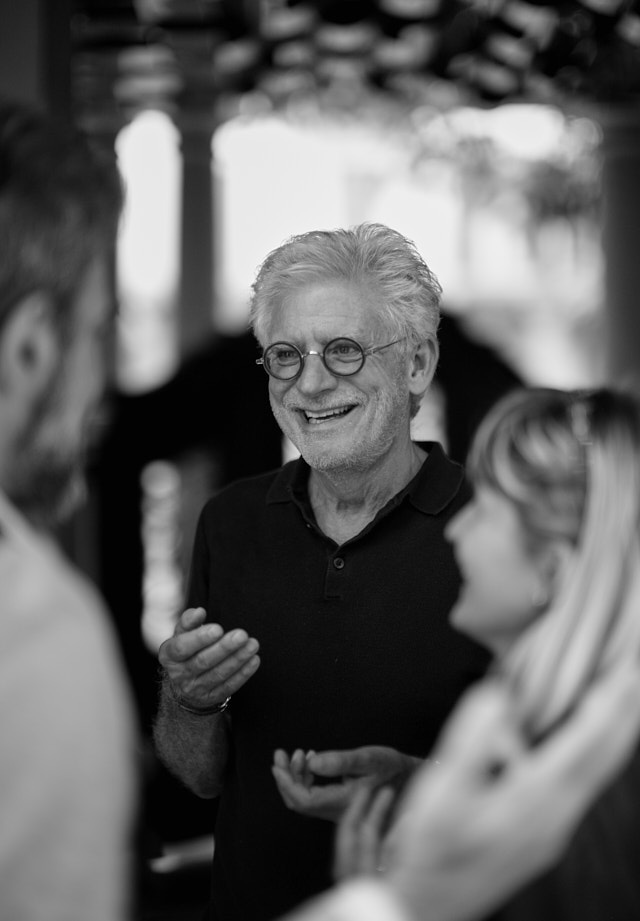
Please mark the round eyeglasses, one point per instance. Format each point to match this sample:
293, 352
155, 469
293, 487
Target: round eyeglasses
341, 356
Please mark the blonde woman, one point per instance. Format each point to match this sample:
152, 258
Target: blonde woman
550, 560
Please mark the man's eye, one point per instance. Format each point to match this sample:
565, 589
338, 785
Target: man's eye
345, 351
286, 356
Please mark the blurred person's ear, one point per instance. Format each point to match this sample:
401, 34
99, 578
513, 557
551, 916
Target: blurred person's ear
29, 348
424, 359
554, 560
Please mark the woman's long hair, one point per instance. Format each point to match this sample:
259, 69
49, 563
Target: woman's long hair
570, 463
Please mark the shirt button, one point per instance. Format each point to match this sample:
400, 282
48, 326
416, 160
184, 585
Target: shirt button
338, 563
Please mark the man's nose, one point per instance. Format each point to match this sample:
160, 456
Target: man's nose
315, 375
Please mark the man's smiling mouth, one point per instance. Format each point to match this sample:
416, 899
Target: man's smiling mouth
326, 415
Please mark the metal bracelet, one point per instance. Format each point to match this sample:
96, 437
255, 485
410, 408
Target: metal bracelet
208, 711
197, 711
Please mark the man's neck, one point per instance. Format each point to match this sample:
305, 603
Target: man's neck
345, 500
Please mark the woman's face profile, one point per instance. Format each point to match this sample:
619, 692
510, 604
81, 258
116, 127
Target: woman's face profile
502, 580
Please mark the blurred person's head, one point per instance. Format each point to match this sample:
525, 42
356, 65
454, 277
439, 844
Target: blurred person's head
60, 200
348, 321
548, 547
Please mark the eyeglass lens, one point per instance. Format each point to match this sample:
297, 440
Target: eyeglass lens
340, 356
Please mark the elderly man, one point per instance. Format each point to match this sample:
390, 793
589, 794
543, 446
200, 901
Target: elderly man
334, 567
66, 771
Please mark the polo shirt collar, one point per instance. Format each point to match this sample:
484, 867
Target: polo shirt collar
430, 491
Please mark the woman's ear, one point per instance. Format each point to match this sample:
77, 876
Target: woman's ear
424, 360
29, 350
553, 564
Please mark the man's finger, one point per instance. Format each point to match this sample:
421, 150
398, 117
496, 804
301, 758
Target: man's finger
235, 643
282, 782
355, 762
185, 645
205, 647
189, 619
281, 758
294, 794
330, 763
238, 678
225, 657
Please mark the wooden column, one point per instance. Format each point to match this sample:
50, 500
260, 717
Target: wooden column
621, 241
35, 53
195, 302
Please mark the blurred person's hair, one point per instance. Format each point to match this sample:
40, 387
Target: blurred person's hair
60, 201
570, 464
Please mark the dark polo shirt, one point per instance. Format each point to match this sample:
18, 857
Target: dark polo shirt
356, 649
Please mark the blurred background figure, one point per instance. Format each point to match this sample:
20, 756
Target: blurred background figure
66, 761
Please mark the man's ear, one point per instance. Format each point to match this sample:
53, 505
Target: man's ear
424, 360
29, 350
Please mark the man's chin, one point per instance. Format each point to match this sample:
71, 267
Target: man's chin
327, 460
320, 452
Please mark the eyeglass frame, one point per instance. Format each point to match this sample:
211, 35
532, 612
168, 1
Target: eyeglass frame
304, 355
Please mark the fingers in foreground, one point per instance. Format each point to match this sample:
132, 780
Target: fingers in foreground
346, 847
360, 832
373, 829
481, 733
597, 739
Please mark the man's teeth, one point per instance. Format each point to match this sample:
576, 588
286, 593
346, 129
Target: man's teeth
325, 415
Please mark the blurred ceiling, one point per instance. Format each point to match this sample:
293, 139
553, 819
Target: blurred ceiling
200, 55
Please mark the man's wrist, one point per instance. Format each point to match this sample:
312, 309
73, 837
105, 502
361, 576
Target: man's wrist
188, 707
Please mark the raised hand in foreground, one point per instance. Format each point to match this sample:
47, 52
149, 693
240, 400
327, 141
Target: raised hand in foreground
469, 836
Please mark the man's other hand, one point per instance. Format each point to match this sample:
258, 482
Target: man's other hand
322, 784
205, 665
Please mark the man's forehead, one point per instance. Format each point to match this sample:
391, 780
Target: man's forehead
327, 309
